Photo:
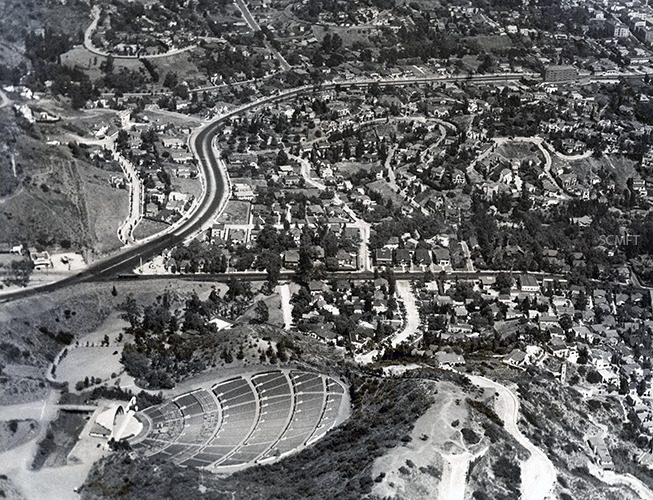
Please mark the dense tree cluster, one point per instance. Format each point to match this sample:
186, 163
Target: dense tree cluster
166, 346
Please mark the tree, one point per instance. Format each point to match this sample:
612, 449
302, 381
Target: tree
305, 267
107, 64
131, 310
581, 301
282, 157
566, 322
170, 80
262, 312
594, 377
504, 282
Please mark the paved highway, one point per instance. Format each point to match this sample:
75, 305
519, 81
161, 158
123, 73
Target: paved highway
216, 182
213, 200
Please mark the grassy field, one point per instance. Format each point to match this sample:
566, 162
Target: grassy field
176, 119
518, 150
17, 432
182, 64
236, 212
91, 359
382, 187
348, 168
80, 57
190, 186
107, 208
493, 42
90, 63
147, 227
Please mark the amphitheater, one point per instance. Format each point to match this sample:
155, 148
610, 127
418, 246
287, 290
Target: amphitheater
243, 420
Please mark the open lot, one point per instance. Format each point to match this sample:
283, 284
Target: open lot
90, 358
107, 207
236, 212
518, 150
148, 227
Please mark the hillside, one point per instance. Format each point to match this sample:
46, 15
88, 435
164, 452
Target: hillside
18, 19
338, 466
51, 199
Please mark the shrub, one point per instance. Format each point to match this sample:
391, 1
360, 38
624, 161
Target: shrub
508, 470
470, 436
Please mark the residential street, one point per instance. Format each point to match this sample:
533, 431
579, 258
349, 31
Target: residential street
411, 325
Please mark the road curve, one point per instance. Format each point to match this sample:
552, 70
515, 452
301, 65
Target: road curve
216, 192
213, 201
538, 474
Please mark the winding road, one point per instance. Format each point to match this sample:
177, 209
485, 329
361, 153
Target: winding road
216, 190
537, 473
88, 43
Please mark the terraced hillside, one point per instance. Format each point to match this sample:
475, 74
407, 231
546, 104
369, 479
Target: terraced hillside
242, 420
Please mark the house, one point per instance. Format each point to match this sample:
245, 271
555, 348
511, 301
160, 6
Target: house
321, 332
423, 257
316, 287
185, 173
181, 157
347, 260
380, 283
379, 306
286, 170
559, 348
515, 358
173, 142
442, 257
243, 192
460, 328
461, 312
291, 259
238, 236
402, 257
447, 360
383, 256
568, 180
547, 320
393, 243
528, 284
41, 260
601, 453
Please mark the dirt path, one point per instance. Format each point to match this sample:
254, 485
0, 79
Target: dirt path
284, 292
4, 100
612, 478
434, 463
48, 483
406, 295
454, 479
537, 473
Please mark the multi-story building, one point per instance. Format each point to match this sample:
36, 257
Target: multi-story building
560, 74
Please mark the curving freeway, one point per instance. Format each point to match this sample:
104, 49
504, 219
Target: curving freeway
216, 180
211, 203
